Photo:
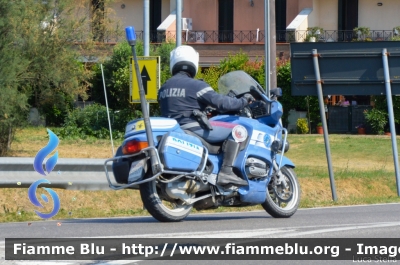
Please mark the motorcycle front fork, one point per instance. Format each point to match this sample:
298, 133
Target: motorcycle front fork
279, 178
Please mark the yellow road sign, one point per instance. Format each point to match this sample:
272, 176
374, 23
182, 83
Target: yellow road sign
149, 67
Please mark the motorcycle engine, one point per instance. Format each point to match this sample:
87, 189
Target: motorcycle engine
256, 168
184, 190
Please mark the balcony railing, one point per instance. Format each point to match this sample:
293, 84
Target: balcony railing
209, 36
341, 36
254, 36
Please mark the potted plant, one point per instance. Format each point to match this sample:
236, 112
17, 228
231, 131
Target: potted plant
313, 34
320, 129
361, 128
396, 34
362, 34
387, 129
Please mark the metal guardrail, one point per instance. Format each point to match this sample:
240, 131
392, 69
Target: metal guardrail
70, 174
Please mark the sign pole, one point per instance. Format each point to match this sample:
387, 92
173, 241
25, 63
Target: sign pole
146, 27
391, 117
131, 37
267, 48
178, 23
323, 120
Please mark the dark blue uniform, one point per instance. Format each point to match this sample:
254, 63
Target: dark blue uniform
181, 94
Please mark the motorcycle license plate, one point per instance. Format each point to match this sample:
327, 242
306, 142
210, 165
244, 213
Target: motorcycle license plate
138, 170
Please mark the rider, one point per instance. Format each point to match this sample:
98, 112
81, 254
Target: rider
180, 95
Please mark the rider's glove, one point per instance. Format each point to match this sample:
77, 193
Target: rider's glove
249, 98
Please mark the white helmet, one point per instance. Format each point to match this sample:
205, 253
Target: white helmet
184, 58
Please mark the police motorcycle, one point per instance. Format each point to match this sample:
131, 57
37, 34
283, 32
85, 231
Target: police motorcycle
177, 171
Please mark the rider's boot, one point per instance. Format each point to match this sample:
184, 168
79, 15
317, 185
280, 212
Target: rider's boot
226, 174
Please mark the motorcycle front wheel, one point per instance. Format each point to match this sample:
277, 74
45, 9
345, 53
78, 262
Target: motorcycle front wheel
283, 200
160, 206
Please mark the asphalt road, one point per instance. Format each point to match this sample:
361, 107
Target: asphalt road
372, 221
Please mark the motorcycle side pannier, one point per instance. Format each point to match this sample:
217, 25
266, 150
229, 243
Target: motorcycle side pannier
179, 151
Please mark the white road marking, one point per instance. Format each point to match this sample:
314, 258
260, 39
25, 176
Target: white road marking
261, 233
342, 228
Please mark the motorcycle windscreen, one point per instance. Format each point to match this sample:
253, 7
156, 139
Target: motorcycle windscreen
238, 82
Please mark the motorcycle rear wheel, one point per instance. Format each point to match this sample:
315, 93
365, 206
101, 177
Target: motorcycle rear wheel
160, 206
285, 204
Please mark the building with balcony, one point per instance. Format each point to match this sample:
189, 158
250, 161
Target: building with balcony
218, 27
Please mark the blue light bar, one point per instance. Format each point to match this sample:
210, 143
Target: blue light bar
130, 35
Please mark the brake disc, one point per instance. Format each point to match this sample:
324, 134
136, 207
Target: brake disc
282, 194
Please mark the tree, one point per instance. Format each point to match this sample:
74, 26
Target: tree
13, 101
42, 44
55, 74
57, 46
